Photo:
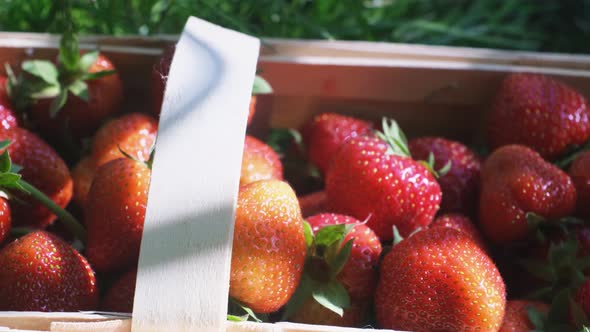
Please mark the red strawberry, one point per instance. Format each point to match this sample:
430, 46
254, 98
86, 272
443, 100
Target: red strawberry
358, 275
40, 272
439, 280
326, 132
269, 246
539, 112
460, 185
44, 169
580, 174
5, 219
79, 117
7, 117
82, 175
582, 296
259, 162
313, 203
134, 133
119, 298
516, 318
462, 224
115, 212
516, 180
368, 179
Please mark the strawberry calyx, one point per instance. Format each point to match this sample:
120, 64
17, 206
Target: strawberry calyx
261, 86
42, 79
571, 155
398, 145
327, 253
541, 226
239, 312
148, 163
11, 180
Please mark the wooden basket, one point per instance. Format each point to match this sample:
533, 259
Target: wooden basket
428, 90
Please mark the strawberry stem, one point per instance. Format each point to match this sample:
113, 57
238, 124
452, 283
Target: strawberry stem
394, 137
64, 216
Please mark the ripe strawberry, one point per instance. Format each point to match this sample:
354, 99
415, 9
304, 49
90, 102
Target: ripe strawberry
259, 162
516, 317
436, 280
134, 133
82, 175
580, 175
115, 211
269, 246
326, 132
368, 178
40, 272
5, 219
314, 203
516, 180
119, 297
7, 117
539, 112
358, 274
462, 224
44, 169
252, 109
582, 296
460, 185
82, 115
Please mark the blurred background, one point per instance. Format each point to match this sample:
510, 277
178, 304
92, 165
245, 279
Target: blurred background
537, 25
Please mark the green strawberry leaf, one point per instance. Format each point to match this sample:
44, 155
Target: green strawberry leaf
11, 181
308, 232
337, 264
58, 102
5, 162
15, 168
395, 137
87, 60
540, 269
235, 305
234, 318
332, 296
445, 169
79, 88
42, 69
397, 237
45, 91
97, 75
585, 329
4, 144
536, 317
302, 294
261, 86
329, 235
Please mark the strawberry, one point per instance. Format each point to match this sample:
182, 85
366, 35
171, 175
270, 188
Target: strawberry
83, 112
460, 185
134, 133
259, 162
462, 224
8, 118
40, 272
5, 219
582, 296
115, 212
580, 174
371, 178
439, 280
517, 317
326, 132
43, 168
313, 203
268, 247
516, 181
539, 112
82, 175
355, 272
119, 297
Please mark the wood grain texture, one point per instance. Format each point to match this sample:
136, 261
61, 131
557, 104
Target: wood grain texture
184, 265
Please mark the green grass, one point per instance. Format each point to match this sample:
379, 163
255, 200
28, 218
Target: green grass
541, 25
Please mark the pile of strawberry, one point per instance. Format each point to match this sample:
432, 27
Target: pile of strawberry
344, 222
425, 234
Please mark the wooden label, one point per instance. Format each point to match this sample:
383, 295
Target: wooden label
184, 265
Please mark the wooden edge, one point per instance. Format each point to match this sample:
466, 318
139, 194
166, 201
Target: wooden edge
43, 321
331, 49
